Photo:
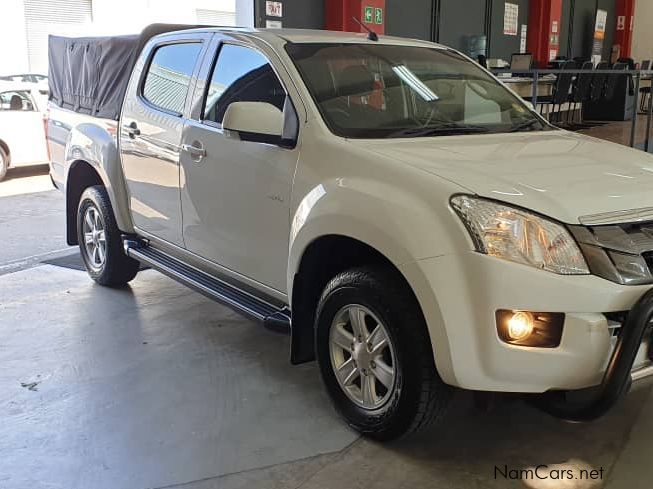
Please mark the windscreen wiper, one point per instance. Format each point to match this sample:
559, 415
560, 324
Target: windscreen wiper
444, 130
525, 125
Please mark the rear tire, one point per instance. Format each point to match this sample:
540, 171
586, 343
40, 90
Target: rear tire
4, 164
100, 241
386, 392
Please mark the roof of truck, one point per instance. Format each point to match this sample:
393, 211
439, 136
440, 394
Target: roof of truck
317, 36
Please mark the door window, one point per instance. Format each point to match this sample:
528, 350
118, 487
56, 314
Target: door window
19, 101
169, 75
241, 74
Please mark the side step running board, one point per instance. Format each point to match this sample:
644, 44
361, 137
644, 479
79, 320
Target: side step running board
273, 317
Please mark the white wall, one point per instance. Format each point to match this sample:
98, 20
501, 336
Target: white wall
245, 13
110, 17
13, 38
643, 30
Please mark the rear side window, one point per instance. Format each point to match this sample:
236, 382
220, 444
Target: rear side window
241, 74
18, 101
169, 75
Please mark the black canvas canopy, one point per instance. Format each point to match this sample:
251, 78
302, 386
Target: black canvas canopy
89, 75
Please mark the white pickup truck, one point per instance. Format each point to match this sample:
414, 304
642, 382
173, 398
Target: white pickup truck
415, 224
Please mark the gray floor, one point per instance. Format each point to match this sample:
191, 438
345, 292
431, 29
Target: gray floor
32, 226
155, 386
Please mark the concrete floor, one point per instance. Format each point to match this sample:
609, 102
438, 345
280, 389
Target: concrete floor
155, 386
32, 222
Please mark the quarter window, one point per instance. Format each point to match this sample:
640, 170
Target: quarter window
241, 74
169, 75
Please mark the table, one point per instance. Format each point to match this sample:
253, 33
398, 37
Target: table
523, 86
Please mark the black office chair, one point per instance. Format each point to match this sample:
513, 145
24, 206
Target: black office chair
598, 82
629, 62
645, 92
482, 60
561, 90
580, 92
612, 80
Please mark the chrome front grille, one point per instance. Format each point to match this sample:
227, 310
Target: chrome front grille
622, 253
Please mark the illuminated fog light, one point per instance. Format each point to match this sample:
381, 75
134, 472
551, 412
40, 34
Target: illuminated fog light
526, 328
521, 326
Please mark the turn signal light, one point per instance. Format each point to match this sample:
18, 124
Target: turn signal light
534, 329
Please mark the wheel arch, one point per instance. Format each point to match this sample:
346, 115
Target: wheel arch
92, 158
321, 260
5, 148
81, 175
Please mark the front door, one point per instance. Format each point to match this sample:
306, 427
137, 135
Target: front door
150, 133
236, 194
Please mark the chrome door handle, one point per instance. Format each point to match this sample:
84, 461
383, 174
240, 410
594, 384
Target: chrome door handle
195, 151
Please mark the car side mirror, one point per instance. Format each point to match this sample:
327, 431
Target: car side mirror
259, 122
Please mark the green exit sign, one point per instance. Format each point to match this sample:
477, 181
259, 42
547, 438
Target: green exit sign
369, 12
378, 16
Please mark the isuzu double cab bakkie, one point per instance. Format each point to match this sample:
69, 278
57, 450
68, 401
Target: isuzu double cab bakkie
415, 224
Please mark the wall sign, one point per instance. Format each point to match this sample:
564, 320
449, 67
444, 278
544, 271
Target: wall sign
511, 19
599, 35
621, 22
273, 24
273, 9
524, 36
369, 12
378, 16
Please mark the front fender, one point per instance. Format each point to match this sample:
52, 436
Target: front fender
400, 224
404, 226
96, 145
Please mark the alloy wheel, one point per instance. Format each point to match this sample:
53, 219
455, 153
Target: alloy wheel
95, 242
363, 357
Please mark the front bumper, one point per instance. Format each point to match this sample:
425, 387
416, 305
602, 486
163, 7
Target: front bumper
617, 377
460, 294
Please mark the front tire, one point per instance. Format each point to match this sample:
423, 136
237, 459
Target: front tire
375, 355
100, 242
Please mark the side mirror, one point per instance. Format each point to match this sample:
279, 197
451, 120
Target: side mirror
254, 121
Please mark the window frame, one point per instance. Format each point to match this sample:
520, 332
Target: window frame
209, 78
201, 40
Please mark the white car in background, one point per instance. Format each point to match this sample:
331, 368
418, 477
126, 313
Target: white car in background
22, 129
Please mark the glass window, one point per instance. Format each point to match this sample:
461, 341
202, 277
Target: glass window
169, 75
385, 91
17, 101
241, 74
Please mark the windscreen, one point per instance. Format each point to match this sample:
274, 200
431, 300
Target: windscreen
386, 91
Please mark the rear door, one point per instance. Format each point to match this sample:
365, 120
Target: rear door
150, 132
236, 195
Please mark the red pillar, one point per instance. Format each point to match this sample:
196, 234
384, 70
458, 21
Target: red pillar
623, 36
544, 24
340, 15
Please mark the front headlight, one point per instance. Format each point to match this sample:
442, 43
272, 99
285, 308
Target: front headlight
519, 236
